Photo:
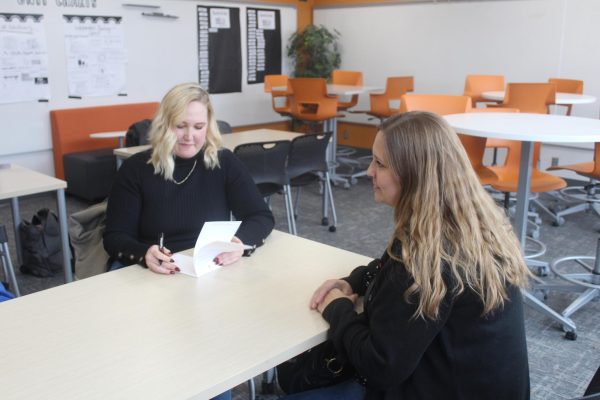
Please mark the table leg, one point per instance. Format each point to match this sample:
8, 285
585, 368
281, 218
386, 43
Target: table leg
523, 191
331, 125
14, 204
64, 237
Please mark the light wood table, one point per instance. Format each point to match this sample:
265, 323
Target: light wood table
133, 334
230, 140
528, 128
110, 135
15, 182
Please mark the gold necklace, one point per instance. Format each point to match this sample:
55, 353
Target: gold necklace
188, 175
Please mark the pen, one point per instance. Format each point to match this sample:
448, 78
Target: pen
161, 242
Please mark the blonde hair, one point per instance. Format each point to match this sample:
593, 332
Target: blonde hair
170, 112
445, 219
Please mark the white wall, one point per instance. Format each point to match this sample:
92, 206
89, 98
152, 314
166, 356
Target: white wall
439, 44
161, 53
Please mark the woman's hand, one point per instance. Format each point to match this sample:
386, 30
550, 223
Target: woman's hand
230, 257
160, 262
334, 294
323, 290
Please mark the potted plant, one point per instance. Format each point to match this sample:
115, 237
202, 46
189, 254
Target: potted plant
314, 52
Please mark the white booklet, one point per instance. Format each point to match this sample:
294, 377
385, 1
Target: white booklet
214, 239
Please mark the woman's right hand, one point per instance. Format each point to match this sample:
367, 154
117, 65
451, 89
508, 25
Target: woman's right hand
326, 287
160, 262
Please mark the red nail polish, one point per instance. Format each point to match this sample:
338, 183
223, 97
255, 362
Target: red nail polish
171, 272
177, 269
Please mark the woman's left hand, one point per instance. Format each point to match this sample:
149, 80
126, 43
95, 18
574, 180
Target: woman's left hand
230, 257
334, 294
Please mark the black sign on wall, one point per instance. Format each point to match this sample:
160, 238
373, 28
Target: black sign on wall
264, 43
219, 49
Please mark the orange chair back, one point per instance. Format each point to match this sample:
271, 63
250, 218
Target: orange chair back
475, 85
530, 97
272, 81
567, 85
441, 104
343, 77
310, 101
394, 89
350, 78
279, 81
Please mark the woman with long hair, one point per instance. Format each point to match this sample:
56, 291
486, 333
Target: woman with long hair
184, 180
443, 315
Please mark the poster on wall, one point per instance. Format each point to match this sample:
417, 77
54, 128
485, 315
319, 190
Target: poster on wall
264, 43
96, 56
219, 49
23, 58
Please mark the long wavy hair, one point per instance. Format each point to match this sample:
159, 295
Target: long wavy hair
445, 219
162, 134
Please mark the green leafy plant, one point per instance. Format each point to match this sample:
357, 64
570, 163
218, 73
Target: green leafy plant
314, 52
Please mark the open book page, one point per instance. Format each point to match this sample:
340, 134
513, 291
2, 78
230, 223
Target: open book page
214, 239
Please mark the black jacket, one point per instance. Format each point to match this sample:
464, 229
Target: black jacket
462, 355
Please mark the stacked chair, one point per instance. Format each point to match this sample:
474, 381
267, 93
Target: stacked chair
278, 166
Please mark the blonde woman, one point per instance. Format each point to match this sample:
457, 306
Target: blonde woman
443, 316
184, 180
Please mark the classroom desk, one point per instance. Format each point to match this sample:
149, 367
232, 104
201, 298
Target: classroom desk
230, 141
528, 128
134, 334
563, 99
15, 182
110, 135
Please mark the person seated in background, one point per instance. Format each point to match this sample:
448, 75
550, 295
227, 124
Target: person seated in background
184, 180
443, 314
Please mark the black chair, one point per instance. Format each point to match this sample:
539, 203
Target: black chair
137, 133
266, 162
224, 127
306, 164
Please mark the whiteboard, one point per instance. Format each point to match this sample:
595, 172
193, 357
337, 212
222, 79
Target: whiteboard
161, 53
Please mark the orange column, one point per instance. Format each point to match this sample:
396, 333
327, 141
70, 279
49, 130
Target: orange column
304, 11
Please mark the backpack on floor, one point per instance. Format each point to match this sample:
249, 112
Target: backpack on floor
40, 244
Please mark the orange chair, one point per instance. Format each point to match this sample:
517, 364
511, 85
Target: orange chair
508, 175
529, 97
567, 86
588, 195
442, 104
475, 147
349, 78
310, 101
280, 99
475, 85
447, 104
394, 89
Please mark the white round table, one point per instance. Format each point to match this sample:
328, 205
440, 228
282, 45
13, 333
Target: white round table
563, 99
528, 128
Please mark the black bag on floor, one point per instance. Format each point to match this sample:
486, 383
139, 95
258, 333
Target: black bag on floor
315, 368
40, 244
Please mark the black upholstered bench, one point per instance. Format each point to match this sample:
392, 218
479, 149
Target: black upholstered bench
90, 174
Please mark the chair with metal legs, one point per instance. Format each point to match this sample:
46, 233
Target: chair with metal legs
266, 162
7, 267
587, 277
307, 163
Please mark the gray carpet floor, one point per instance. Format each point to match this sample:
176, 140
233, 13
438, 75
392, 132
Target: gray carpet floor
559, 368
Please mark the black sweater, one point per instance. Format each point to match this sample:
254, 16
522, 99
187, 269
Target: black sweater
141, 205
462, 355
